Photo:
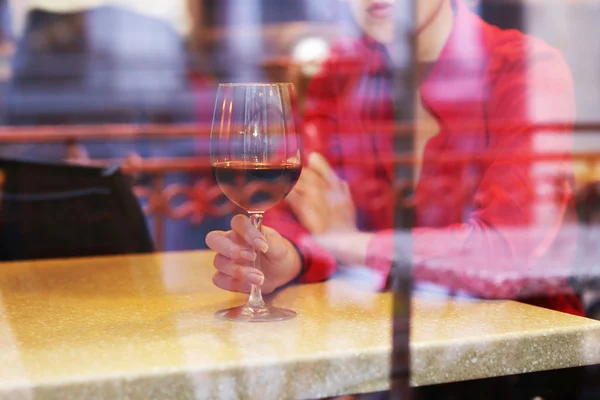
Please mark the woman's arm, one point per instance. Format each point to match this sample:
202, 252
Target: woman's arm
508, 247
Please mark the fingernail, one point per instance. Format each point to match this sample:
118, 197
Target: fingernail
261, 245
256, 278
248, 255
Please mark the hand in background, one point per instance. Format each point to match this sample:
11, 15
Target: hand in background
321, 200
323, 204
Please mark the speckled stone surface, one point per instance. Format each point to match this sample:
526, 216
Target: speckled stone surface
454, 340
143, 327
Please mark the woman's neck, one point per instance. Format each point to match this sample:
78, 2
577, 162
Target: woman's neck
431, 35
434, 32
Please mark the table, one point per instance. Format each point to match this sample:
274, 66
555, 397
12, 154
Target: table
143, 327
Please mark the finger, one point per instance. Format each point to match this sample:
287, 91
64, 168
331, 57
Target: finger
338, 197
248, 253
238, 271
349, 206
310, 200
319, 164
312, 176
294, 199
310, 190
313, 194
221, 243
301, 187
310, 216
344, 186
310, 179
307, 194
244, 227
275, 252
303, 211
237, 239
230, 284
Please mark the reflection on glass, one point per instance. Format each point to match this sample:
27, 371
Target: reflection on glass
465, 166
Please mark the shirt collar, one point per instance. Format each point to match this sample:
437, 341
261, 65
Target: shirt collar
463, 59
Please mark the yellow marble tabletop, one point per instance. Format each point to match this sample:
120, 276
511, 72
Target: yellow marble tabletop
143, 327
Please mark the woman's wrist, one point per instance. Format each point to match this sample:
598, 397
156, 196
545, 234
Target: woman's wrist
349, 248
293, 266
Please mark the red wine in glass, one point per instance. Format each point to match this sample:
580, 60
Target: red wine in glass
256, 161
256, 187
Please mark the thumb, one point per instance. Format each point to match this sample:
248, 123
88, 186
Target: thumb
275, 240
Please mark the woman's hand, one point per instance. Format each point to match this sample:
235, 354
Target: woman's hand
321, 200
323, 204
277, 258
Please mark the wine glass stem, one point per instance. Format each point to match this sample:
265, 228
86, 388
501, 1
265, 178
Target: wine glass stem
256, 299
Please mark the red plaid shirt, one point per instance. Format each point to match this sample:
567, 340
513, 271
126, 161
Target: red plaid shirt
480, 225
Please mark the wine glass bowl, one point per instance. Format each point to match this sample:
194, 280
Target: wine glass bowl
256, 187
256, 151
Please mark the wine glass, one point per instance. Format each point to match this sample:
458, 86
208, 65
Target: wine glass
255, 151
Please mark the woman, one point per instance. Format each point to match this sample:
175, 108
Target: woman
479, 227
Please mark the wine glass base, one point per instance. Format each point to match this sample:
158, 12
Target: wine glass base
247, 313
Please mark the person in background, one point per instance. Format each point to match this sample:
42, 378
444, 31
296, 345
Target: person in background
477, 227
95, 66
100, 63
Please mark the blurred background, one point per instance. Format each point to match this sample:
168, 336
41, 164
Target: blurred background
133, 82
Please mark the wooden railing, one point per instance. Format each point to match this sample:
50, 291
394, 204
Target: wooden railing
107, 132
203, 198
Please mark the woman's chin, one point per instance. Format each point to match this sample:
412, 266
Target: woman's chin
383, 34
